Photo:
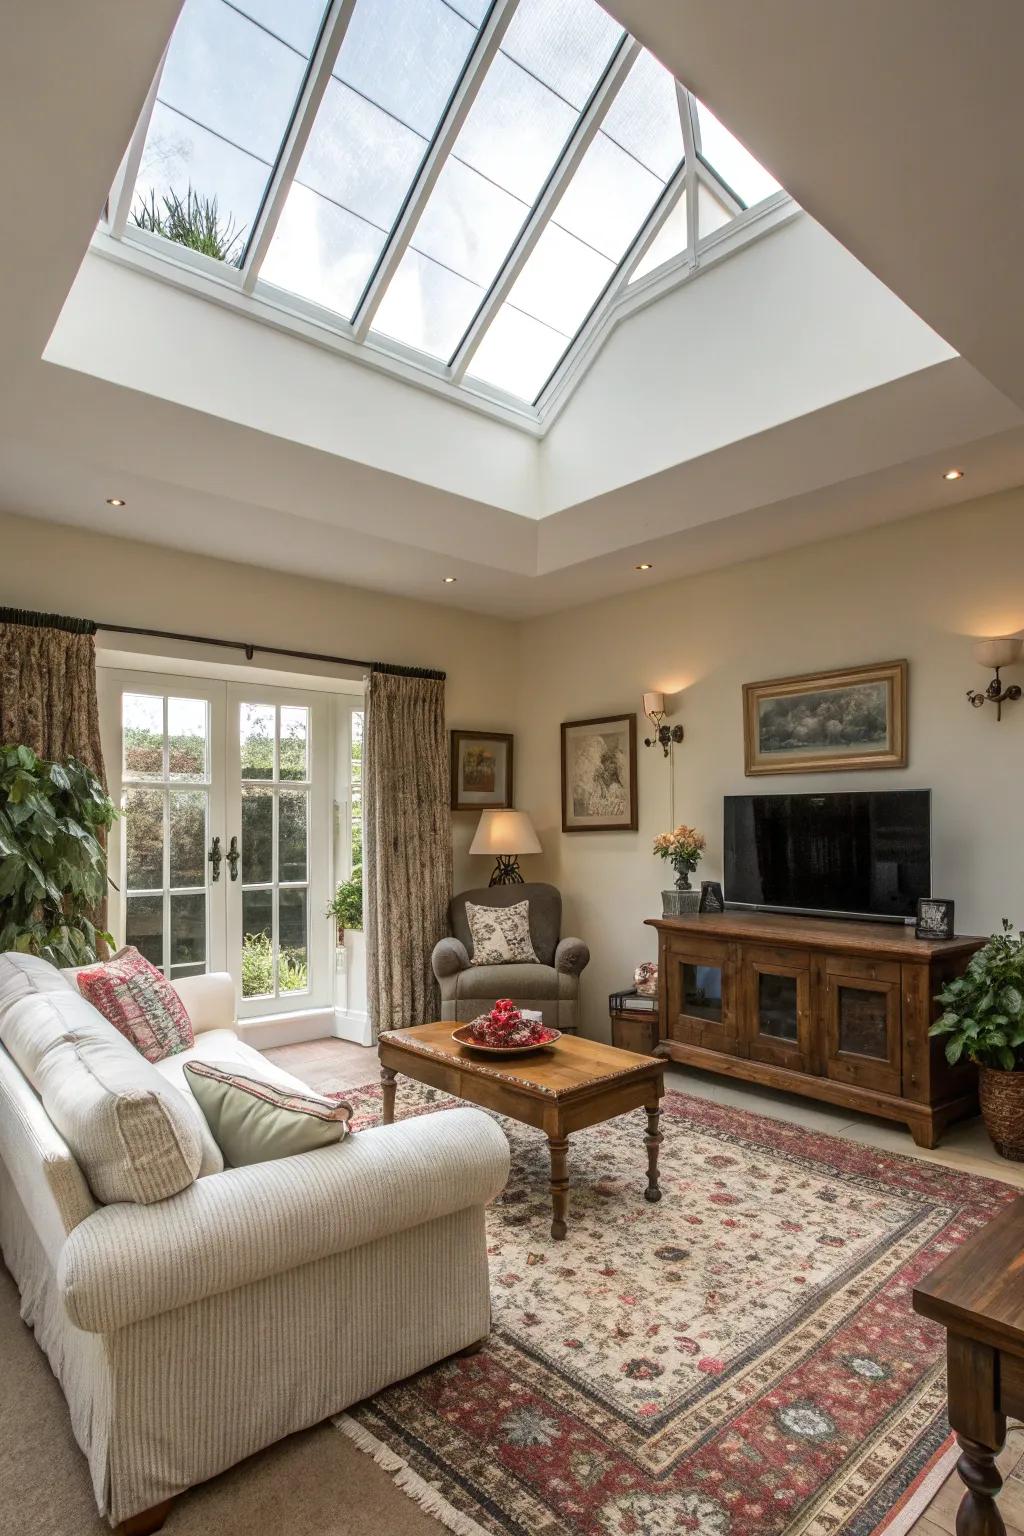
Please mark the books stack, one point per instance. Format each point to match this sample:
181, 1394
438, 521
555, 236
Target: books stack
632, 1002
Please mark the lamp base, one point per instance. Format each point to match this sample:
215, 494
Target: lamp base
507, 871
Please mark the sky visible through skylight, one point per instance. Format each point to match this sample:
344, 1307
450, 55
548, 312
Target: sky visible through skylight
469, 181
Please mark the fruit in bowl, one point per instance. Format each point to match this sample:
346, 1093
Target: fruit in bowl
505, 1028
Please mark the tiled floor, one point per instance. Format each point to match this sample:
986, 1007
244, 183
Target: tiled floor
336, 1064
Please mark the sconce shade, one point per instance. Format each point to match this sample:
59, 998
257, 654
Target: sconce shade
505, 833
654, 704
997, 653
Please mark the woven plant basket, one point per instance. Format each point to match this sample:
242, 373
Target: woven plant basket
1002, 1109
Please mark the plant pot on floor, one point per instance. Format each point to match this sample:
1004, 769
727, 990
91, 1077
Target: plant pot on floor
1002, 1109
675, 903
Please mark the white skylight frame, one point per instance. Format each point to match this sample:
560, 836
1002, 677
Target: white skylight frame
242, 286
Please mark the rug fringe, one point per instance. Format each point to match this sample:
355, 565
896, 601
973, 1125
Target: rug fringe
425, 1494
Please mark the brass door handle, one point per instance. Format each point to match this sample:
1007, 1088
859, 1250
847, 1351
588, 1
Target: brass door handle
215, 858
233, 857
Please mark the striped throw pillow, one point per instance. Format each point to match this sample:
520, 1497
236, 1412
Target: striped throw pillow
255, 1120
140, 1003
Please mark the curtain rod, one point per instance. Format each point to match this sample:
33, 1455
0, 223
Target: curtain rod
90, 626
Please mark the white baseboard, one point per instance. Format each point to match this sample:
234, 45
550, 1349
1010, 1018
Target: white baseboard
353, 1025
287, 1028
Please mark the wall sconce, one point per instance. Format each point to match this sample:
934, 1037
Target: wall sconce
996, 653
664, 735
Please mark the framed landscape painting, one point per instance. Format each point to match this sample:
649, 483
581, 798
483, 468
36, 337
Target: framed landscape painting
599, 775
481, 770
827, 721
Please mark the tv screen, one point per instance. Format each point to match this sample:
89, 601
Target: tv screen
866, 853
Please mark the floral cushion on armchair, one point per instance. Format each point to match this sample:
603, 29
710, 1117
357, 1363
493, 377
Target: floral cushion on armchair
501, 935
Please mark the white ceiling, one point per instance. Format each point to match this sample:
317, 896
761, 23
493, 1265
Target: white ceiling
783, 396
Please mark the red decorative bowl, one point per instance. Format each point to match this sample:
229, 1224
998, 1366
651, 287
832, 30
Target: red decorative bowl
462, 1036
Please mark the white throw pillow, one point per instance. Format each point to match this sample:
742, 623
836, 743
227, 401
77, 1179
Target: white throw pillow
255, 1120
501, 935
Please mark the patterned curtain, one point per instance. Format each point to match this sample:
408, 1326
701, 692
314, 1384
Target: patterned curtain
48, 687
407, 848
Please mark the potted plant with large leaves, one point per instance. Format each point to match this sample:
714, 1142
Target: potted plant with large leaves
53, 867
983, 1021
346, 906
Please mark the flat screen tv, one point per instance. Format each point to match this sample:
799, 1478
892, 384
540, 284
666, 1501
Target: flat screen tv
866, 854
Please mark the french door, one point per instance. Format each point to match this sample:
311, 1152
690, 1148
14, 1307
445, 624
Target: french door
222, 854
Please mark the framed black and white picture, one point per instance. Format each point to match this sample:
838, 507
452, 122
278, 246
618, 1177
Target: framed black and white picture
599, 775
934, 918
711, 898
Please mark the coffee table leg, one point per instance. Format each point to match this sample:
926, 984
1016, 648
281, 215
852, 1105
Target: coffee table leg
652, 1141
559, 1147
387, 1084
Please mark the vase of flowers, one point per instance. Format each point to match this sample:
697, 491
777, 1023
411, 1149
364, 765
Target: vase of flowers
684, 849
983, 1022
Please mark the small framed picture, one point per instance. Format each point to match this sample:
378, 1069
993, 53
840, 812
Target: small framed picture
481, 770
934, 918
711, 898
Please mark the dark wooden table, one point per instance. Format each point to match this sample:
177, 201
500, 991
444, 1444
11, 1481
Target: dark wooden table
977, 1294
575, 1084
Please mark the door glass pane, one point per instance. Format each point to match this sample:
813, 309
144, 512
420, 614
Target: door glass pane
294, 735
143, 735
257, 836
257, 733
188, 837
144, 838
702, 992
291, 834
144, 926
257, 943
188, 929
187, 731
777, 1006
293, 965
863, 1022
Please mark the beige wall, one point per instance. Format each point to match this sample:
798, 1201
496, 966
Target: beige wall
918, 589
64, 570
915, 589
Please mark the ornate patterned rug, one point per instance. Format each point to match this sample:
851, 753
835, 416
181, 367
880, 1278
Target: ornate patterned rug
740, 1360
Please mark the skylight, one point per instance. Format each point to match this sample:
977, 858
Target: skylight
463, 185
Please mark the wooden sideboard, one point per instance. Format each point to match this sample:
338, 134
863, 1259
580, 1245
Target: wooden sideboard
831, 1009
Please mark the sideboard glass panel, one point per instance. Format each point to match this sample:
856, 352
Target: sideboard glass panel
777, 1006
863, 1022
702, 992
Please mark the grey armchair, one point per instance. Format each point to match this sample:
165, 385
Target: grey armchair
552, 985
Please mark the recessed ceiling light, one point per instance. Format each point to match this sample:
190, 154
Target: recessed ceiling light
449, 579
645, 565
953, 474
115, 501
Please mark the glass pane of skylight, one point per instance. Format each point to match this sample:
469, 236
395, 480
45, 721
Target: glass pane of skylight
644, 117
518, 354
669, 242
712, 213
550, 62
224, 103
560, 281
296, 23
398, 67
729, 160
426, 304
608, 198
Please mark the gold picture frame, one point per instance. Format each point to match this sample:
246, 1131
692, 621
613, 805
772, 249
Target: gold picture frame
825, 722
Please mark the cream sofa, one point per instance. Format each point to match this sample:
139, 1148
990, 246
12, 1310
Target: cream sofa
191, 1331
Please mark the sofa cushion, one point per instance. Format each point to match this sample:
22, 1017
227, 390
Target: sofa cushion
501, 935
133, 1135
522, 983
140, 1003
255, 1120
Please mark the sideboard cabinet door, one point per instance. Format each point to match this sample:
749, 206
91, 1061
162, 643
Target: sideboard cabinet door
777, 1007
863, 1023
700, 979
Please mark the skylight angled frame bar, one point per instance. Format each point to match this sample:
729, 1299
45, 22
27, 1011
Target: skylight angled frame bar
582, 136
688, 123
122, 193
318, 74
488, 42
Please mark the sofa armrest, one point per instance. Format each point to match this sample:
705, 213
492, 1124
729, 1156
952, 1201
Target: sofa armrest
128, 1262
209, 1000
571, 956
449, 958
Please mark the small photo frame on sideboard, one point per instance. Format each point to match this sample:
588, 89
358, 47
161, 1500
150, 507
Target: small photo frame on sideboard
711, 898
481, 770
934, 918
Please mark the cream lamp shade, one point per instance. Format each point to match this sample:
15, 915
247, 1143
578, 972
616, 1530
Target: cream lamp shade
504, 833
997, 653
654, 705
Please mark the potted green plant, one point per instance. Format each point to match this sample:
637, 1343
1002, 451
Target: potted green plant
53, 867
684, 849
346, 906
983, 1022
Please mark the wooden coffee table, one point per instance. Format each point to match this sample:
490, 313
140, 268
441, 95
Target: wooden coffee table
574, 1084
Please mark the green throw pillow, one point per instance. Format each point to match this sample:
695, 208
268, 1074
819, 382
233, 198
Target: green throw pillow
254, 1120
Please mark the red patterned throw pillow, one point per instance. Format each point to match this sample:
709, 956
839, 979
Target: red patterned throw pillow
140, 1003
